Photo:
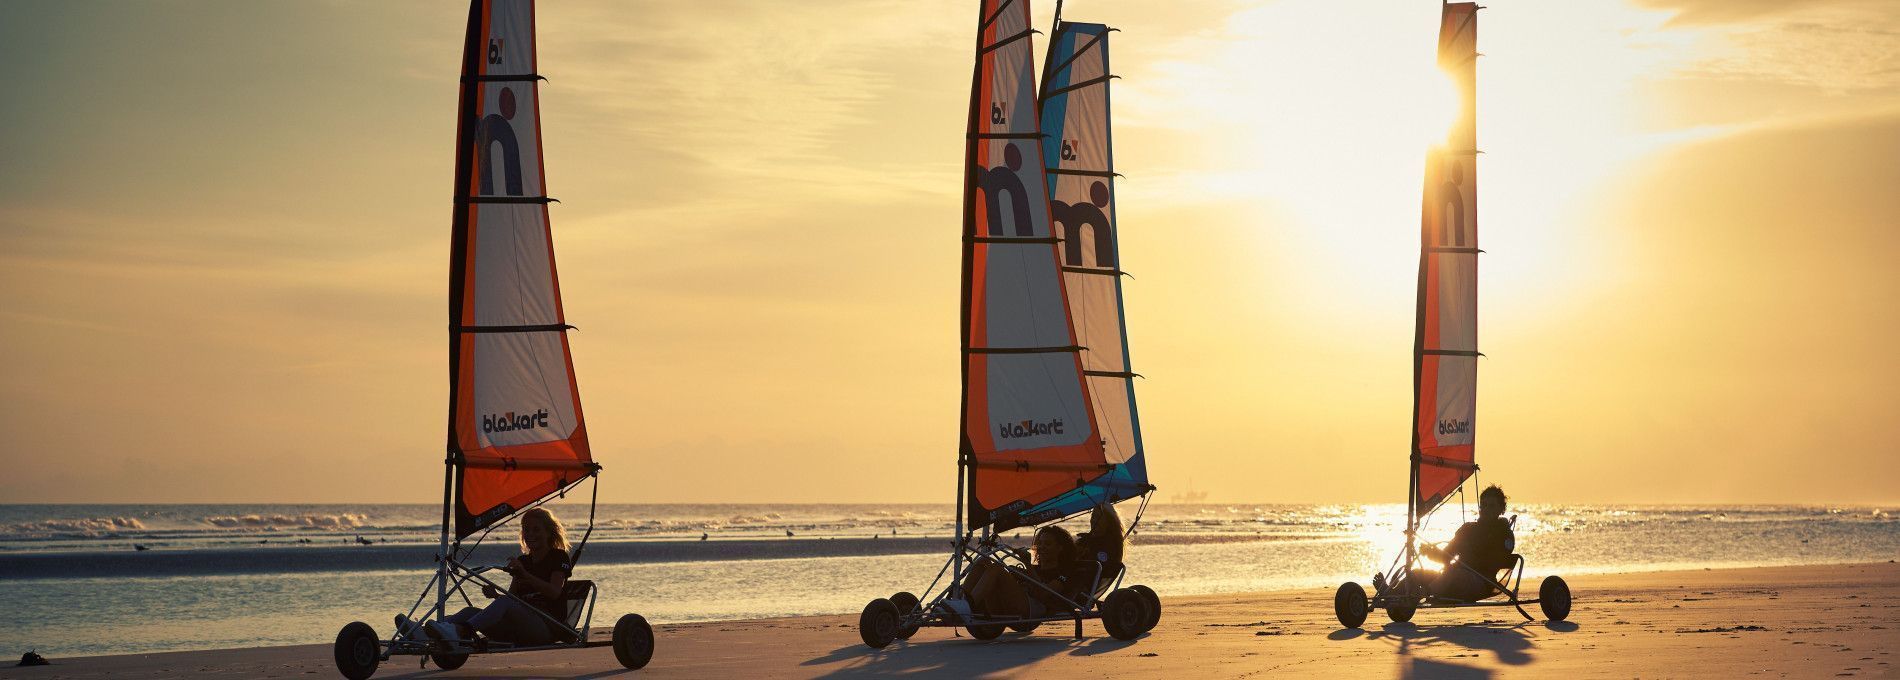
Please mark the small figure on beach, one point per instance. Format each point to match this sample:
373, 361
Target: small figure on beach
1485, 545
540, 574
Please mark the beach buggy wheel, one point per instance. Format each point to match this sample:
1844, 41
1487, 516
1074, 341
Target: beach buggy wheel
633, 641
1025, 626
1400, 612
357, 651
989, 631
877, 625
1154, 606
448, 662
906, 605
1350, 605
1123, 613
1554, 597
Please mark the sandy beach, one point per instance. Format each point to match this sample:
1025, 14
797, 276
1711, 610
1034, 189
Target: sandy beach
1800, 622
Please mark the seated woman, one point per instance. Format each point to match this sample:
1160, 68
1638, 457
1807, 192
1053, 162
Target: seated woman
994, 590
1104, 541
1484, 545
539, 576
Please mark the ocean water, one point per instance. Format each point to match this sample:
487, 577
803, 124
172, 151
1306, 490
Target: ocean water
214, 576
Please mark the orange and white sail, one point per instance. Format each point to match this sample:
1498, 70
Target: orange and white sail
1029, 428
515, 429
1446, 361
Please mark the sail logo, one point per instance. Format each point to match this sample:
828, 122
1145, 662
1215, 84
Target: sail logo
1454, 426
1451, 205
495, 129
1003, 181
1074, 217
996, 114
1029, 428
494, 51
511, 421
1068, 149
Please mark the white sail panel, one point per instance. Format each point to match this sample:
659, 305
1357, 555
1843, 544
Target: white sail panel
522, 395
513, 266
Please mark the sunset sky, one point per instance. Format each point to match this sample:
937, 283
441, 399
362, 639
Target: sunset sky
224, 245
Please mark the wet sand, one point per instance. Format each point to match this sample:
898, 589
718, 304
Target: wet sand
1799, 622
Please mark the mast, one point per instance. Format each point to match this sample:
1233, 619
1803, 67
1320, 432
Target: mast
465, 109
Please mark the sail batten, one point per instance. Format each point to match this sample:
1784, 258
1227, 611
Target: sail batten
516, 433
1445, 366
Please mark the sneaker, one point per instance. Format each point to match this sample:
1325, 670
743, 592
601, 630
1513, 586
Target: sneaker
406, 629
959, 608
442, 631
1378, 584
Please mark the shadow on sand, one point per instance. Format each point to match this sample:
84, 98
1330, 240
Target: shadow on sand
1510, 643
471, 671
960, 657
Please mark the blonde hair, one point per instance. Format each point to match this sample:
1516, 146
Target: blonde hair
557, 535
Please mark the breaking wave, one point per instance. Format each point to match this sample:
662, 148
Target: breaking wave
88, 527
302, 521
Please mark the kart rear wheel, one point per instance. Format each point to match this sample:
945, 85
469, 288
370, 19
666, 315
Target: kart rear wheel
1154, 606
1554, 598
877, 625
633, 641
1123, 613
989, 631
448, 662
357, 651
1350, 605
906, 605
1401, 612
1025, 626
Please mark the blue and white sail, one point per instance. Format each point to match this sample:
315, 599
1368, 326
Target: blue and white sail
1079, 160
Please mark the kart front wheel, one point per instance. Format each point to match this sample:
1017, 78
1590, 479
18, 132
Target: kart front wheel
1350, 604
1554, 598
633, 641
877, 624
357, 651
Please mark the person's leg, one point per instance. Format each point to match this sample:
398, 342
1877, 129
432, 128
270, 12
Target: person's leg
1460, 583
510, 620
462, 616
1003, 594
522, 625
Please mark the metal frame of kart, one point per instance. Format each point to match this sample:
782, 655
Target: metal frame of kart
930, 611
452, 574
1427, 601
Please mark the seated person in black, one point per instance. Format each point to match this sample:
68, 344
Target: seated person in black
1103, 544
539, 577
1484, 545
